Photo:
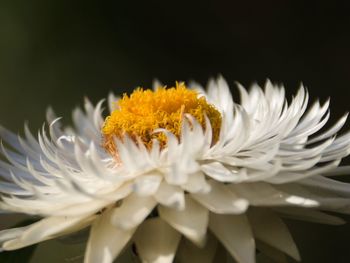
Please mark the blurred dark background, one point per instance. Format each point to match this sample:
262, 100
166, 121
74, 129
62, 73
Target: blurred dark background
55, 52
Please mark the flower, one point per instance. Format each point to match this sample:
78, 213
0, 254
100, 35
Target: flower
175, 171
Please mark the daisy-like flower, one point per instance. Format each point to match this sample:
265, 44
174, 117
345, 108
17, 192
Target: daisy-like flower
177, 171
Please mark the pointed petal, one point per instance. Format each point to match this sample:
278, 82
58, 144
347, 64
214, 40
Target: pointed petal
341, 170
234, 232
46, 229
133, 211
190, 253
12, 233
106, 241
269, 228
112, 102
219, 172
170, 195
146, 185
221, 200
196, 183
191, 222
272, 253
263, 194
328, 185
309, 215
156, 241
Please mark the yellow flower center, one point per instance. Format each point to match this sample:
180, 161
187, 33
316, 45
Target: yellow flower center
139, 114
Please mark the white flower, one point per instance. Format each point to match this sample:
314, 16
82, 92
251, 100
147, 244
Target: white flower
268, 159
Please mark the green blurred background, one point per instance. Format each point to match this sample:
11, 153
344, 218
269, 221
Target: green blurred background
56, 52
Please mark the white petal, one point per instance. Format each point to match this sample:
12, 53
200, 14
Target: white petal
192, 138
219, 172
272, 253
327, 201
190, 253
196, 183
156, 84
191, 222
176, 173
234, 232
133, 210
287, 177
342, 170
112, 102
309, 215
170, 195
272, 230
331, 131
221, 200
156, 241
10, 138
328, 185
46, 229
13, 189
106, 241
263, 194
76, 209
134, 159
146, 185
12, 233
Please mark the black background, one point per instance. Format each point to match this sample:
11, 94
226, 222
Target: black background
55, 52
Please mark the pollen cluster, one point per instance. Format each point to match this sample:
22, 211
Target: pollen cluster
144, 111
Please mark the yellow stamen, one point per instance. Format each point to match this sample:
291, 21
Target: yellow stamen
139, 114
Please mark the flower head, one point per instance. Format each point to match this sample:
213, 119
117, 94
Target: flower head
178, 162
145, 112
